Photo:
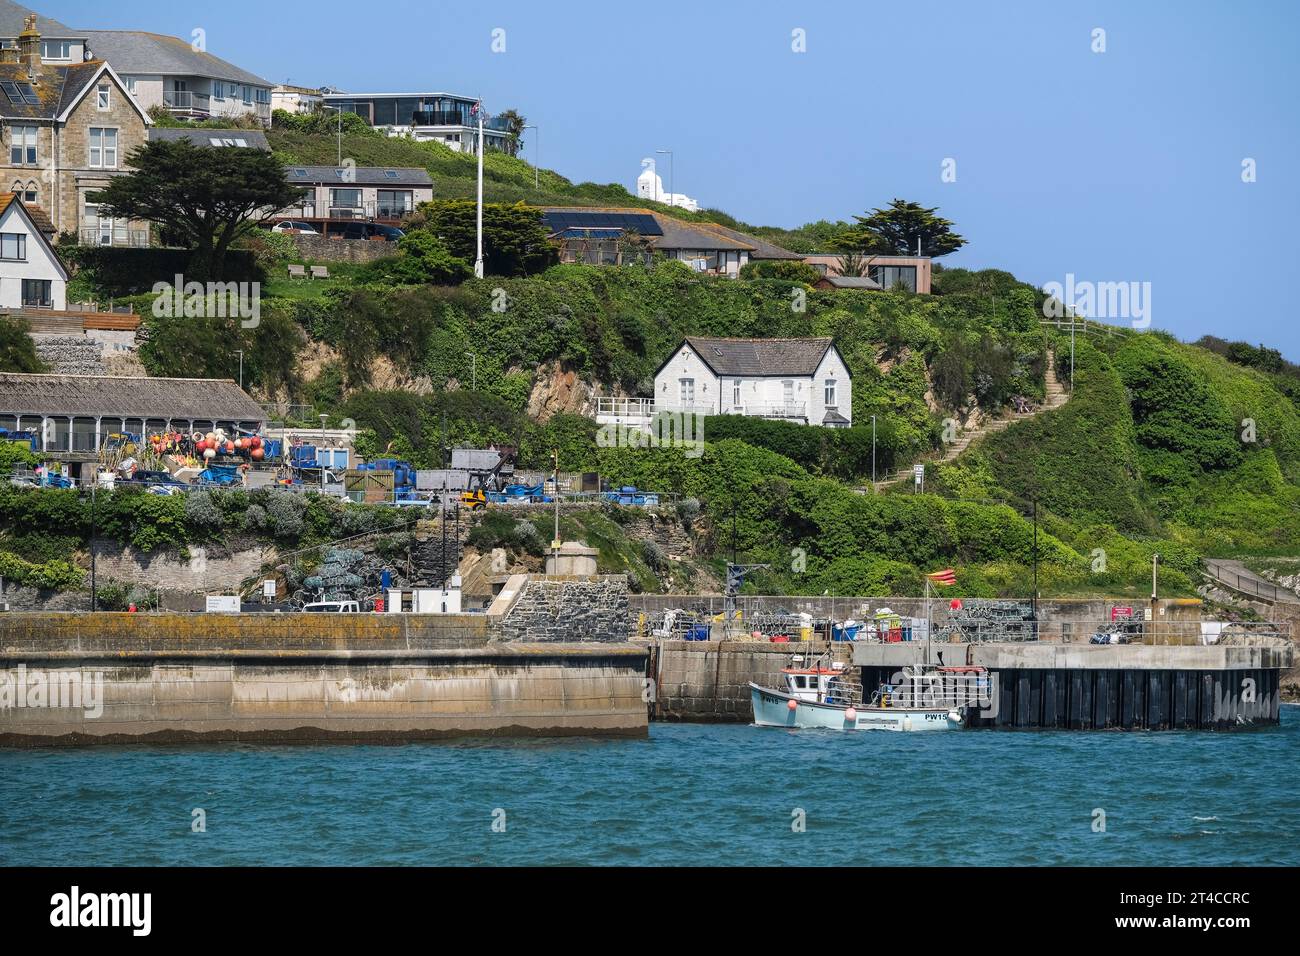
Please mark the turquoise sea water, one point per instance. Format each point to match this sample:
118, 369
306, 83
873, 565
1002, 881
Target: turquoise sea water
690, 794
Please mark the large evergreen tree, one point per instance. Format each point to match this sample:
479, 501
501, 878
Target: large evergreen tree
897, 230
200, 196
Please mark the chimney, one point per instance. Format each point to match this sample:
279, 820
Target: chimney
29, 45
9, 54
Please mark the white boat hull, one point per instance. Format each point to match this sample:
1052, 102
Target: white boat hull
772, 709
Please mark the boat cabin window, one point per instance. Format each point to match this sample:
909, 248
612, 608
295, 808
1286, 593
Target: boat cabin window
800, 681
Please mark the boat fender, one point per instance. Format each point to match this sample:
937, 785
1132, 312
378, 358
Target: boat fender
955, 716
793, 705
851, 714
907, 723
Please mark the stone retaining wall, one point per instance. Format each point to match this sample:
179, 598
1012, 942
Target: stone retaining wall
320, 249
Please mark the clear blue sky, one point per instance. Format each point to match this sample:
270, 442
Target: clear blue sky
1119, 166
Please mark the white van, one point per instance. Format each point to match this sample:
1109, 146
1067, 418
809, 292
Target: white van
332, 607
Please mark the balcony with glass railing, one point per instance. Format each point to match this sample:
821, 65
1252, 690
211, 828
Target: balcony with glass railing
394, 210
187, 101
121, 236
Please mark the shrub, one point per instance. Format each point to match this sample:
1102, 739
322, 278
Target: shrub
284, 514
654, 555
201, 512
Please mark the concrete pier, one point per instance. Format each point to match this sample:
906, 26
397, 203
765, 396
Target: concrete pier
1039, 684
69, 679
1095, 687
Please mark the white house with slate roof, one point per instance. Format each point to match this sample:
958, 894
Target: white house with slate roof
180, 75
796, 380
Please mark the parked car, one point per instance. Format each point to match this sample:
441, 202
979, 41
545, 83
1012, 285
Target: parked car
332, 607
19, 481
143, 476
291, 225
365, 230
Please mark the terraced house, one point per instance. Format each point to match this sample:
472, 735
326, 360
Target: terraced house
66, 128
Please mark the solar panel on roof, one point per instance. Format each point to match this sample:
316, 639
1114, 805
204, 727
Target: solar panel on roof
11, 90
28, 94
570, 219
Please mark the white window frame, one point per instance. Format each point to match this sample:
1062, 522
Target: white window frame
102, 148
831, 394
686, 392
63, 45
19, 242
24, 138
736, 392
104, 97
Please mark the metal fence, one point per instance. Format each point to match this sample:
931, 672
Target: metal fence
1251, 585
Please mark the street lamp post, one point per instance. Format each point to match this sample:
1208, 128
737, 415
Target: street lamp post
873, 452
672, 183
537, 154
94, 591
241, 368
339, 111
323, 419
478, 260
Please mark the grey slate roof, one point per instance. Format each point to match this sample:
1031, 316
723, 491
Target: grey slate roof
11, 23
850, 282
762, 249
90, 395
134, 51
755, 357
56, 87
203, 136
684, 235
364, 175
833, 417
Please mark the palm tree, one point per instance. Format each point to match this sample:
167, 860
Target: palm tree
514, 129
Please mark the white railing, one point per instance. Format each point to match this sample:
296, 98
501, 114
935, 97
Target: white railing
625, 407
115, 236
781, 410
187, 101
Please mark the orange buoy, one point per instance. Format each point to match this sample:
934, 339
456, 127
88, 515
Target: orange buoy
793, 704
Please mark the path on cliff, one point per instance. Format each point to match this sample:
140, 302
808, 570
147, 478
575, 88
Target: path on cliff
1237, 577
1055, 395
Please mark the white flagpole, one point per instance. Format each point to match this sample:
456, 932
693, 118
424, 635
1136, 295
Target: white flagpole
478, 261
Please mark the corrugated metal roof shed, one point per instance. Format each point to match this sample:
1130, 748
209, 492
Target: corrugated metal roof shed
121, 396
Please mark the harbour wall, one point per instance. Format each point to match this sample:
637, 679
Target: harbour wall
1065, 619
1038, 684
708, 681
1102, 687
69, 679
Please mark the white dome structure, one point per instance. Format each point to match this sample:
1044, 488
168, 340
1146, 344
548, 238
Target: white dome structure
650, 185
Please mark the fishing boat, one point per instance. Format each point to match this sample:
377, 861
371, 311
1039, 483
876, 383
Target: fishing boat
821, 695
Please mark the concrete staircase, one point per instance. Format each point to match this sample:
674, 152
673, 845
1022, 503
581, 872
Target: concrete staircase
1055, 395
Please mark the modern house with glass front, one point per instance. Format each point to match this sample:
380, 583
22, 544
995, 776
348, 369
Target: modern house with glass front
438, 117
334, 194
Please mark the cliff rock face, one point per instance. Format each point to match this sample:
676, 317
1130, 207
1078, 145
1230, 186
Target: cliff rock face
557, 388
